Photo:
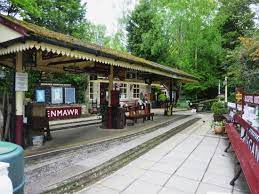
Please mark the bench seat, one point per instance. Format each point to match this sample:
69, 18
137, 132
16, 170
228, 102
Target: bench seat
248, 164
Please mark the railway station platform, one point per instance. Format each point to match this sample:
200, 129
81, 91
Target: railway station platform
192, 161
78, 132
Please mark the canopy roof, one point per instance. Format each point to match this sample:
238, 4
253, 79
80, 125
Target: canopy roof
29, 36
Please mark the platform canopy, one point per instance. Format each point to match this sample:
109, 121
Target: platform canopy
49, 51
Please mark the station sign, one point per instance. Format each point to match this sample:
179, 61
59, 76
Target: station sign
239, 97
54, 113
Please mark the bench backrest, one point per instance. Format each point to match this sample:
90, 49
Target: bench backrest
250, 136
246, 147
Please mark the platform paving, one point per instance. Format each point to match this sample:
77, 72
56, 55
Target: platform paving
193, 161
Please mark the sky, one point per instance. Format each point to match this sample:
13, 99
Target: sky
108, 12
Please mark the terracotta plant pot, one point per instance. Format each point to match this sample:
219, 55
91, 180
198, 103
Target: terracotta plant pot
219, 129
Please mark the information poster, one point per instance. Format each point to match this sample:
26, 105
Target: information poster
56, 95
70, 95
40, 96
21, 82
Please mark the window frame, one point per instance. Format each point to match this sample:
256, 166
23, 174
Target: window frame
136, 90
124, 88
91, 94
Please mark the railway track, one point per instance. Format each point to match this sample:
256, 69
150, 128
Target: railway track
40, 157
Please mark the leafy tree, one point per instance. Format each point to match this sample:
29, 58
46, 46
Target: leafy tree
237, 19
115, 42
181, 34
59, 15
244, 68
14, 7
138, 27
62, 16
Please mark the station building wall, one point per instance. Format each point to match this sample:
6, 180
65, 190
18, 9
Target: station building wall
130, 91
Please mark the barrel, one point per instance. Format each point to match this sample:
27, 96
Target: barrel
13, 154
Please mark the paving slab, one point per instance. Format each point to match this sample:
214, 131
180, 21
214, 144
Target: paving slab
171, 190
100, 190
155, 177
182, 184
192, 161
140, 186
205, 188
117, 182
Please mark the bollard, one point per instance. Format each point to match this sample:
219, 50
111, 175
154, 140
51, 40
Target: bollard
6, 186
13, 155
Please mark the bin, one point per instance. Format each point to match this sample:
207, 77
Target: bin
13, 154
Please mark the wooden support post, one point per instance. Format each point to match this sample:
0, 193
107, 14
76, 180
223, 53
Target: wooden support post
110, 97
19, 99
171, 90
171, 96
110, 85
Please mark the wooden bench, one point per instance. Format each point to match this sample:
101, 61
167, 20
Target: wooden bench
248, 159
135, 113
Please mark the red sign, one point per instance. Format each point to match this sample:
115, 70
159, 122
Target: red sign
63, 112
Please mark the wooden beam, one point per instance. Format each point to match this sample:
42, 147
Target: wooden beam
82, 64
7, 62
39, 58
44, 62
65, 62
48, 69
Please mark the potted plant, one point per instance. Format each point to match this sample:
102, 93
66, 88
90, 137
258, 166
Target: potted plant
162, 98
218, 127
218, 109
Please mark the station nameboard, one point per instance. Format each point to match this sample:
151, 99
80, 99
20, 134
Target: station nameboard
54, 113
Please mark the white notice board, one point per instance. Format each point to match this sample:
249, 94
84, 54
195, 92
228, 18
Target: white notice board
21, 82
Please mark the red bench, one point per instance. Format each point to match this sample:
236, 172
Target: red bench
248, 159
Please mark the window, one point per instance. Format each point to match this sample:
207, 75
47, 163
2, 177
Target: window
123, 91
131, 75
91, 90
135, 91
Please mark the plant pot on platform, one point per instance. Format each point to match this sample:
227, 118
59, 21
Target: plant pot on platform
219, 129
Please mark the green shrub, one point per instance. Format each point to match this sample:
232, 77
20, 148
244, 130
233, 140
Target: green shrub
162, 98
218, 108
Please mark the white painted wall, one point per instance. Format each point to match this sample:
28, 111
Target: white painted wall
144, 88
7, 34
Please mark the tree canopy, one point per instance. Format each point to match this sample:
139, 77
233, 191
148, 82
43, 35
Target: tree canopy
208, 38
191, 35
